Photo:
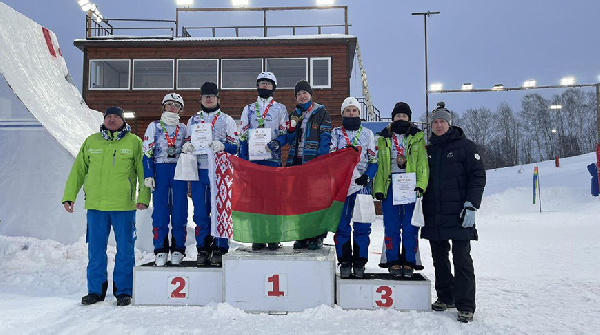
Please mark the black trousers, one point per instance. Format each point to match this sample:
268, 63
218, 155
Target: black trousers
460, 287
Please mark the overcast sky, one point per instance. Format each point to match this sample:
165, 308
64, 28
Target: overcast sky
476, 41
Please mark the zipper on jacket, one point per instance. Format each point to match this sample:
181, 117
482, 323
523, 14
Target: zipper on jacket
130, 188
114, 156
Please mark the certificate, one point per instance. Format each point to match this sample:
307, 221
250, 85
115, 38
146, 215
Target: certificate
257, 144
201, 136
403, 188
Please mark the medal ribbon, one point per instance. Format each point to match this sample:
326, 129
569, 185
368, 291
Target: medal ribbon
355, 139
170, 142
261, 120
213, 121
399, 149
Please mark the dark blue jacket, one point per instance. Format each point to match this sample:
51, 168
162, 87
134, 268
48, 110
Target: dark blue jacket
456, 175
317, 136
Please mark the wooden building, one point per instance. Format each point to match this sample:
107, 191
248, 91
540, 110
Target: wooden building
136, 72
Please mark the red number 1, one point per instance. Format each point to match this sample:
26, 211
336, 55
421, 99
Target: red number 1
386, 296
177, 291
275, 292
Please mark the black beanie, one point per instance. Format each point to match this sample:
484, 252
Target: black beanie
303, 85
402, 107
209, 88
116, 110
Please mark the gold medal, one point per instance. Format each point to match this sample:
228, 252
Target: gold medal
400, 160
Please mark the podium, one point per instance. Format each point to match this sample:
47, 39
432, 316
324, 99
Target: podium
381, 290
177, 285
285, 280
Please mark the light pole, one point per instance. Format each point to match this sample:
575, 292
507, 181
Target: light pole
425, 16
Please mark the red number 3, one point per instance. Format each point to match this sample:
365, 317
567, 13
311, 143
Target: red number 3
386, 296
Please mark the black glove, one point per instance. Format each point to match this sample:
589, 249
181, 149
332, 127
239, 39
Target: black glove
274, 145
419, 191
379, 196
362, 180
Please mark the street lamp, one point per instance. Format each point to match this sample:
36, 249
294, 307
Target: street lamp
185, 3
556, 106
325, 2
498, 87
436, 87
467, 86
425, 16
529, 83
240, 3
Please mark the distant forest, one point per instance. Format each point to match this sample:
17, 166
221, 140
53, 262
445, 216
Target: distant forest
536, 132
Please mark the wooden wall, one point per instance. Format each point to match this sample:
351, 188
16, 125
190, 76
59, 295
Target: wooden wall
147, 103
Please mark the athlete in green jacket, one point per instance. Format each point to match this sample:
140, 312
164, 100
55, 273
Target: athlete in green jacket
109, 166
400, 150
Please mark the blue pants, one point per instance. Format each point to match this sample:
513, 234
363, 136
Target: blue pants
170, 202
201, 201
358, 253
397, 218
98, 229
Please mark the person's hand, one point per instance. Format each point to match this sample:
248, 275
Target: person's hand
141, 206
149, 183
188, 148
69, 206
419, 191
379, 196
468, 215
217, 146
362, 180
273, 145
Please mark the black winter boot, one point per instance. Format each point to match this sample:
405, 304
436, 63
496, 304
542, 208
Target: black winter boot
123, 300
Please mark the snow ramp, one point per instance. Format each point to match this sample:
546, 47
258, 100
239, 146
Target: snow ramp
43, 122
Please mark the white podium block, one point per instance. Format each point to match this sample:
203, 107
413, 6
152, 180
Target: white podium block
177, 285
284, 280
381, 290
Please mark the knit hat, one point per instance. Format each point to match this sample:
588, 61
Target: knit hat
303, 85
402, 107
441, 113
350, 101
209, 88
116, 110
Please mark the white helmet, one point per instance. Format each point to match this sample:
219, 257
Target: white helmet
268, 76
173, 97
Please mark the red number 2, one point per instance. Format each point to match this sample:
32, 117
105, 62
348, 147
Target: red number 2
276, 292
386, 296
177, 291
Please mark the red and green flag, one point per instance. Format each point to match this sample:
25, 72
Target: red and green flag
276, 204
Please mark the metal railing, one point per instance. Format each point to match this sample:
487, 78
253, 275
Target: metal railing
364, 112
105, 29
185, 31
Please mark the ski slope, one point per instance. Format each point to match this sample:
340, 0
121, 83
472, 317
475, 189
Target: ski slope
537, 273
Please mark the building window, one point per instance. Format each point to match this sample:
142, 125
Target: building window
153, 73
288, 70
192, 73
320, 72
109, 74
240, 73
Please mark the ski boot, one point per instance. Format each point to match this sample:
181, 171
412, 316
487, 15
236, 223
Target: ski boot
160, 259
176, 258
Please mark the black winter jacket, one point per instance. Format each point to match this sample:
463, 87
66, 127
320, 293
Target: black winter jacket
456, 175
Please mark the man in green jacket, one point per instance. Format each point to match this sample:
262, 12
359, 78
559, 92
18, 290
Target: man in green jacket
109, 166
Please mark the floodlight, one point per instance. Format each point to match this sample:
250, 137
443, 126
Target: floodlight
467, 86
529, 83
556, 106
498, 87
567, 81
435, 87
554, 131
185, 2
83, 2
325, 2
240, 3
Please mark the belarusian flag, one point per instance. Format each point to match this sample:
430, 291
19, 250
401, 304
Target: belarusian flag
269, 204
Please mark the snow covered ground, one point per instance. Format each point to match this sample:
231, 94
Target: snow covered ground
536, 273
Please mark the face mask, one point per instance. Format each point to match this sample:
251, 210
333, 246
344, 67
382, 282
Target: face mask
305, 106
265, 93
351, 123
400, 126
170, 118
210, 110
